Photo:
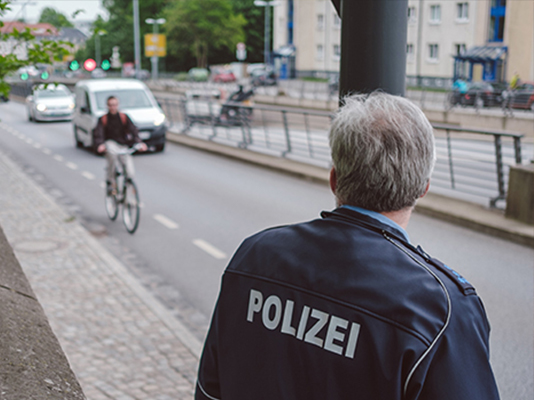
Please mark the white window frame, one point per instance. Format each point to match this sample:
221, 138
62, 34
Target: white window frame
435, 14
319, 52
320, 22
462, 12
459, 48
337, 21
433, 52
410, 52
412, 15
336, 55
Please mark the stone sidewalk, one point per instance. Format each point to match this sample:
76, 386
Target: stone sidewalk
120, 341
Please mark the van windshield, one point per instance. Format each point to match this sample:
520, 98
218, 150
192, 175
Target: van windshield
128, 98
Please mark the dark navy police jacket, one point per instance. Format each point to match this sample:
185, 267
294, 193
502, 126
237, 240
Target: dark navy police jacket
343, 308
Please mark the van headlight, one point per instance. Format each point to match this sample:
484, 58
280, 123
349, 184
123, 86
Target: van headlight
159, 119
40, 107
71, 106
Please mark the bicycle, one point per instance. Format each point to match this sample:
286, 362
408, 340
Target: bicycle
125, 194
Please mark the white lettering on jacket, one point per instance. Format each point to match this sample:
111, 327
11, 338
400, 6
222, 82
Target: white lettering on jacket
311, 323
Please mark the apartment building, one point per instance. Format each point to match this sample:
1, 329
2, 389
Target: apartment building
477, 39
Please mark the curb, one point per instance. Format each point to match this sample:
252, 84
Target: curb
459, 212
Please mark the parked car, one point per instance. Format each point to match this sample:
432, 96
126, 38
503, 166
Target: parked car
198, 74
263, 77
135, 99
50, 102
223, 75
523, 96
483, 94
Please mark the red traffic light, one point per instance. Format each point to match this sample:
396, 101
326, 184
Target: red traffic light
89, 64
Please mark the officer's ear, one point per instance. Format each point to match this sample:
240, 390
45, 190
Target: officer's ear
333, 180
426, 189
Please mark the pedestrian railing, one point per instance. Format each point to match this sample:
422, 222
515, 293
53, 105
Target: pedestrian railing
470, 161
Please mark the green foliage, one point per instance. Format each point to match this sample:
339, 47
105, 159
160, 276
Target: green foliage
200, 26
254, 28
55, 18
43, 51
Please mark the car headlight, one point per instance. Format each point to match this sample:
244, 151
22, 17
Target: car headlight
71, 106
40, 107
160, 118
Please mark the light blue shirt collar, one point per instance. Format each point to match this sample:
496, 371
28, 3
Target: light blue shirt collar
381, 218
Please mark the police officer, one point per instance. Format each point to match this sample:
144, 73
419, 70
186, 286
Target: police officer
344, 306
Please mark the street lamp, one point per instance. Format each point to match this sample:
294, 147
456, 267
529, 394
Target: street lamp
154, 59
98, 33
267, 34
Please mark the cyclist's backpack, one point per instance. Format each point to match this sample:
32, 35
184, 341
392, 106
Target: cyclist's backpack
121, 115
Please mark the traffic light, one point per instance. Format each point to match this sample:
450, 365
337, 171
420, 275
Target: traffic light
74, 65
45, 75
24, 76
105, 65
89, 64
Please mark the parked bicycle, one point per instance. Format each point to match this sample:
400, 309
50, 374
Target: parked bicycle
125, 194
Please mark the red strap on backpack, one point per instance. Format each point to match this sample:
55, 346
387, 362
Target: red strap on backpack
121, 115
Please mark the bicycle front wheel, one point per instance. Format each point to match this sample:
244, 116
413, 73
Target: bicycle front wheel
112, 205
130, 206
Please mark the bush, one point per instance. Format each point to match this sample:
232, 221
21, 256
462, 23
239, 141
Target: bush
181, 76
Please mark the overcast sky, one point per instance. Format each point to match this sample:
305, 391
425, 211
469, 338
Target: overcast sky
32, 10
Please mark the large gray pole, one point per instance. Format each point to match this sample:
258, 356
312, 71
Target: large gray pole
137, 44
267, 34
373, 45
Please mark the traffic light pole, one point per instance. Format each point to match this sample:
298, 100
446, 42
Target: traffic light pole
137, 45
373, 45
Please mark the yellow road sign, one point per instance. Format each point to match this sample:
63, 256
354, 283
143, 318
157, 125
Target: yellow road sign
155, 45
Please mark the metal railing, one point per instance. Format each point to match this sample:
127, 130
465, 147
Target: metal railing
470, 161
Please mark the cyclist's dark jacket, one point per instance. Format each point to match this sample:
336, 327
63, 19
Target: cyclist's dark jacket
114, 129
343, 308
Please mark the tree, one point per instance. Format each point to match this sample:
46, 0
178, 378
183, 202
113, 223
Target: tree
55, 18
42, 51
254, 28
202, 26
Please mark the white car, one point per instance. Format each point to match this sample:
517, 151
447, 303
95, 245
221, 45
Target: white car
50, 102
135, 99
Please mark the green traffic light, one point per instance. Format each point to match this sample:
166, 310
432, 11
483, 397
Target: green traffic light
74, 65
24, 76
105, 65
45, 75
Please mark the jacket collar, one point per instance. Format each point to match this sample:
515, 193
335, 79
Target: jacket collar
358, 218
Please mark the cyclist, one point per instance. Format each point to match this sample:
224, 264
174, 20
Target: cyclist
115, 131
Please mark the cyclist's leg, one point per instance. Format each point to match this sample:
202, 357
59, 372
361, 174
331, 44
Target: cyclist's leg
111, 156
127, 160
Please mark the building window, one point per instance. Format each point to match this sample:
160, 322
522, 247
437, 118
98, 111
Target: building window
320, 52
337, 21
411, 15
460, 49
462, 11
435, 14
433, 52
497, 20
320, 21
337, 51
409, 52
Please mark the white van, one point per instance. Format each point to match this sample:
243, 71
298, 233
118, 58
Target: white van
135, 100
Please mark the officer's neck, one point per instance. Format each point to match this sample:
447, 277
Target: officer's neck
401, 217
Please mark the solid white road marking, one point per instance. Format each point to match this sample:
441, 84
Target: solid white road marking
88, 175
165, 221
208, 248
71, 165
57, 157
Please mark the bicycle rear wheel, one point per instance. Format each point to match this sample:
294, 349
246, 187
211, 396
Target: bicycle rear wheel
112, 205
130, 206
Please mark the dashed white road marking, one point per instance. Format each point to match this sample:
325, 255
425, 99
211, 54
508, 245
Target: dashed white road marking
103, 185
88, 175
29, 140
47, 151
208, 248
163, 220
71, 165
37, 145
57, 157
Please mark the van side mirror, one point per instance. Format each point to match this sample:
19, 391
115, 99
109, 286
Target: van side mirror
85, 110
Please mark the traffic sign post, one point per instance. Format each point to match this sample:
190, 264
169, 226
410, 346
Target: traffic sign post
155, 46
241, 52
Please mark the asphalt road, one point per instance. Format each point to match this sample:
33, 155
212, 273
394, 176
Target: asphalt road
198, 207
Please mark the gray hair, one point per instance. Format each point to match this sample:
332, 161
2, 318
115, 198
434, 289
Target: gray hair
383, 152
